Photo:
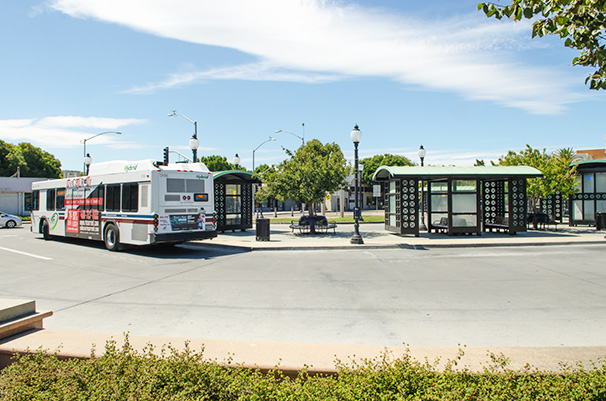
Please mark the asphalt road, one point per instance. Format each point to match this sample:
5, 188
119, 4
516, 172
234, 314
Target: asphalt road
513, 296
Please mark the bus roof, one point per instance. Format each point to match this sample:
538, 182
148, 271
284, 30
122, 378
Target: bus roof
124, 166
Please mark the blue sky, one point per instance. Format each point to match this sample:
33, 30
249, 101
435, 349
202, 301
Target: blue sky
435, 73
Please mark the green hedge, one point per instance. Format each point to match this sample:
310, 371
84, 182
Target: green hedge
168, 374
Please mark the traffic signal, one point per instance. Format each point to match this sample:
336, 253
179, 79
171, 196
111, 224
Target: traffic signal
166, 156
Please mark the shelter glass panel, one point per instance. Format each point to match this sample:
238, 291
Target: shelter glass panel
600, 182
233, 219
464, 220
588, 210
232, 189
577, 210
439, 203
578, 183
392, 220
439, 187
600, 206
392, 204
464, 186
464, 203
233, 204
588, 183
436, 217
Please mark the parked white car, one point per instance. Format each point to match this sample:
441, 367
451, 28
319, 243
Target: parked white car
9, 220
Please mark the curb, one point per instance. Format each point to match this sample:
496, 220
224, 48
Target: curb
250, 248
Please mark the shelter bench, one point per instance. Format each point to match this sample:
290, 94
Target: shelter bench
540, 221
500, 223
441, 226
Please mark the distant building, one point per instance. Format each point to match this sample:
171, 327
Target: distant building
16, 194
71, 173
592, 154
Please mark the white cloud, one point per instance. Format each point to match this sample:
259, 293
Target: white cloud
322, 40
250, 72
64, 131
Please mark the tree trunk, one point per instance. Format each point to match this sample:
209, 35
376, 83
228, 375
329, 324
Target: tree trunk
312, 222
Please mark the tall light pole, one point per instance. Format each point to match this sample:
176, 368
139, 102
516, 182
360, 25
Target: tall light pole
422, 154
85, 169
194, 143
262, 143
356, 136
302, 138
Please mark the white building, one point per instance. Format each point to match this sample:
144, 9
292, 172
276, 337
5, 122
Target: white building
15, 194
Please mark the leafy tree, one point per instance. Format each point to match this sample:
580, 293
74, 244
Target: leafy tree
479, 162
218, 163
308, 175
371, 164
558, 174
580, 23
31, 160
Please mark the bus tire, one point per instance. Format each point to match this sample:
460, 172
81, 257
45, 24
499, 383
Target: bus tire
45, 231
112, 238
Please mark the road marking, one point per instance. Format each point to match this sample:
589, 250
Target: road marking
25, 253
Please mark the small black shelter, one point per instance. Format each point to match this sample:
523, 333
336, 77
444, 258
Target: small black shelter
457, 200
234, 199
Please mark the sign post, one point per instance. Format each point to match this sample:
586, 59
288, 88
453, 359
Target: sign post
376, 192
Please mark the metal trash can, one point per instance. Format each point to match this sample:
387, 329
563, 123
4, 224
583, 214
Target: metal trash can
262, 229
600, 221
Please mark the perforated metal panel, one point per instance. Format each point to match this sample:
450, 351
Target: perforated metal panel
517, 204
552, 205
493, 200
409, 207
247, 208
220, 205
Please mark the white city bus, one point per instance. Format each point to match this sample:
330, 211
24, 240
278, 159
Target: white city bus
120, 202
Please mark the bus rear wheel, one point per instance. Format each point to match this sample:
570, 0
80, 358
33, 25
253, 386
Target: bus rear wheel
112, 238
45, 231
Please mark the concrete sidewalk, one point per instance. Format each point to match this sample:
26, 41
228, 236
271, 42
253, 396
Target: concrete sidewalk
375, 236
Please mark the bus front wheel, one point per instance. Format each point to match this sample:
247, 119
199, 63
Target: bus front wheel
112, 238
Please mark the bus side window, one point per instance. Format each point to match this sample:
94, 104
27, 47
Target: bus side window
61, 199
130, 197
36, 200
112, 198
50, 199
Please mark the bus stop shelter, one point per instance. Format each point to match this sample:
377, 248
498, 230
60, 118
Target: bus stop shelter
456, 200
234, 199
590, 198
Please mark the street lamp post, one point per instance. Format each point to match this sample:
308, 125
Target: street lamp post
194, 143
85, 167
253, 169
422, 154
356, 136
302, 138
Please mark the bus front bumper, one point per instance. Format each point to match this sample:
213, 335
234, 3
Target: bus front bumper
182, 236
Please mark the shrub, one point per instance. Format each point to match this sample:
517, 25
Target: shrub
125, 374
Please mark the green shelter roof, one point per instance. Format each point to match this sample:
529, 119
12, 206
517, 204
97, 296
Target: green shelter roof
240, 175
590, 163
385, 173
